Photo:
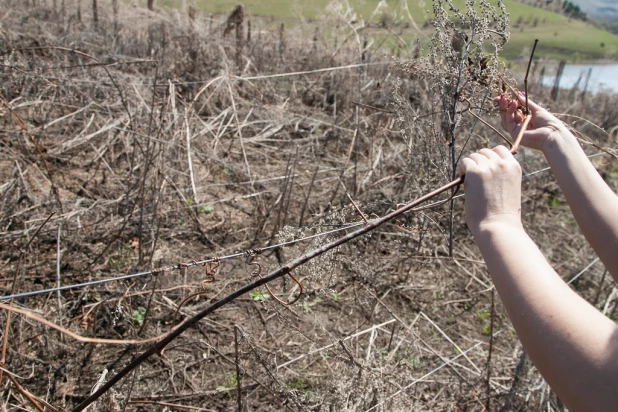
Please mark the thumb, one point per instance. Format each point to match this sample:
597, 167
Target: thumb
534, 108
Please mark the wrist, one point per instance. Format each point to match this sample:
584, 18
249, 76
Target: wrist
559, 141
497, 224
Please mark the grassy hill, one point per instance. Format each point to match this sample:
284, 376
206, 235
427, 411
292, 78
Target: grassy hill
560, 37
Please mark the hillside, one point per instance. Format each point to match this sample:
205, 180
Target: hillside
560, 37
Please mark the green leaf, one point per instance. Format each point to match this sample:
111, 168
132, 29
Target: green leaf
258, 296
205, 210
483, 314
138, 315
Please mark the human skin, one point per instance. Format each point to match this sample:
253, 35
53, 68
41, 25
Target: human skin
593, 204
573, 345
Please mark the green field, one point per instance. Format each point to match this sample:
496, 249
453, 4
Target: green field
560, 37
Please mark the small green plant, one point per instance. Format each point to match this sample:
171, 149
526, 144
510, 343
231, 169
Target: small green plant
205, 210
138, 315
258, 296
553, 201
120, 260
230, 383
482, 314
336, 297
415, 362
308, 305
300, 385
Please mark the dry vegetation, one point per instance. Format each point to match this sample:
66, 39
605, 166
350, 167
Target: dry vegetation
141, 138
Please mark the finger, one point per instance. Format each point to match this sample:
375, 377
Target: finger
480, 159
503, 152
504, 104
465, 165
512, 123
489, 154
518, 115
534, 108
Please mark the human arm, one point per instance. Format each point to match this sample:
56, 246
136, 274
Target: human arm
573, 345
593, 204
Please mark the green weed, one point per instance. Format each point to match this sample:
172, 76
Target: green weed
230, 383
206, 210
301, 385
415, 363
483, 314
308, 305
138, 315
258, 296
553, 201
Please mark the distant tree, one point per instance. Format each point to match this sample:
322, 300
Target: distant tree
573, 10
519, 21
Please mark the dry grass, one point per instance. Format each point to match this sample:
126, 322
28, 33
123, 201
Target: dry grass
152, 151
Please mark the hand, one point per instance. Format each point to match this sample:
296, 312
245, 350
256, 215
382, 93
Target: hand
543, 130
493, 188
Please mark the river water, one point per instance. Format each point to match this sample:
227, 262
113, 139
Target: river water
602, 77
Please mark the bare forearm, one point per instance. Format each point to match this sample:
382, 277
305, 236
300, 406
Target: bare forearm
571, 343
593, 203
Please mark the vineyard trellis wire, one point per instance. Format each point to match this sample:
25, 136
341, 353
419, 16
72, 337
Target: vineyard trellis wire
202, 262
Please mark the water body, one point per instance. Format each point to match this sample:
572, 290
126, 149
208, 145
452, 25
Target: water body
603, 77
